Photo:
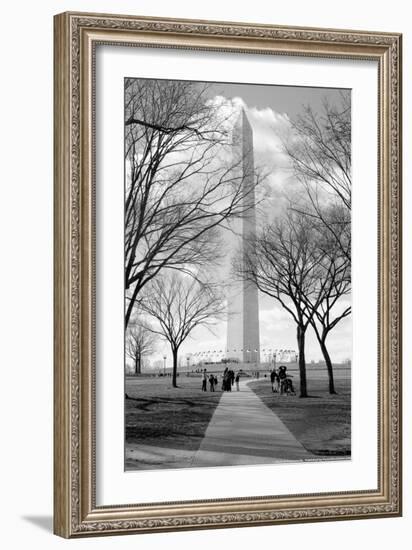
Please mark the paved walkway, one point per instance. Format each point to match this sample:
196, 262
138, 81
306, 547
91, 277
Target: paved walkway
243, 430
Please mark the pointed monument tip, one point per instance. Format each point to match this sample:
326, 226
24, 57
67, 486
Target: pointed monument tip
242, 119
242, 114
242, 123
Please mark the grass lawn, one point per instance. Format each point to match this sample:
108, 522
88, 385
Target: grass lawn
158, 414
322, 423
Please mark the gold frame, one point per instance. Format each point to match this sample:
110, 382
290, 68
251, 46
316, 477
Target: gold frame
75, 38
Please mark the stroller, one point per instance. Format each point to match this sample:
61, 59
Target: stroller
286, 386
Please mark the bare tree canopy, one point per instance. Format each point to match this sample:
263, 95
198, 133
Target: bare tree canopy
320, 152
304, 270
284, 262
140, 341
319, 148
178, 304
181, 181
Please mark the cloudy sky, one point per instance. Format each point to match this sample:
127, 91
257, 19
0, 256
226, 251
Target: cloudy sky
270, 110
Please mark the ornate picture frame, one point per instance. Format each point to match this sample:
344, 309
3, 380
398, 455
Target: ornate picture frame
76, 512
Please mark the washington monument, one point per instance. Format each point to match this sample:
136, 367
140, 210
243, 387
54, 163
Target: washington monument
243, 306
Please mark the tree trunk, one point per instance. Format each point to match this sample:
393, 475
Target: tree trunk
174, 376
302, 361
322, 342
138, 364
130, 306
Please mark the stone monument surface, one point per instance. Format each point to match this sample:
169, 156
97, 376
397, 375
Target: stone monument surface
243, 302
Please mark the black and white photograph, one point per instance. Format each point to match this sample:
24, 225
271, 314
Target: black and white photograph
204, 248
238, 333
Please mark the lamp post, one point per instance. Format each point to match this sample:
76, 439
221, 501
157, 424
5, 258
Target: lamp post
164, 365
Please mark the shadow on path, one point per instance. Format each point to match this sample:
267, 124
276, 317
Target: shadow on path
243, 430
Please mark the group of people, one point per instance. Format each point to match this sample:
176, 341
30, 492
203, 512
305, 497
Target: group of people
228, 380
281, 381
212, 379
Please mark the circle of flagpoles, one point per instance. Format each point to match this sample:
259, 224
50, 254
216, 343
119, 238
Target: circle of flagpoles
267, 355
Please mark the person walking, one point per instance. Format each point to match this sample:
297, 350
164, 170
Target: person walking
282, 378
229, 380
277, 382
224, 379
212, 382
204, 380
274, 380
237, 379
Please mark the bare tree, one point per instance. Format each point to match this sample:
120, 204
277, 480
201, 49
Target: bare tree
326, 305
140, 341
178, 304
181, 181
284, 262
319, 148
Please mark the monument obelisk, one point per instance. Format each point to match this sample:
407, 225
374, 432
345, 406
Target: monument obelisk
243, 303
